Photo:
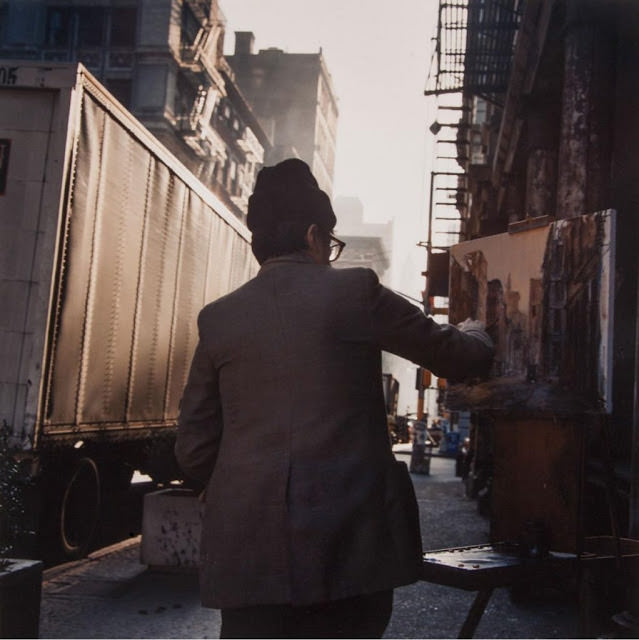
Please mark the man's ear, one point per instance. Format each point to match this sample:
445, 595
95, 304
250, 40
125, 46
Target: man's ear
316, 245
312, 237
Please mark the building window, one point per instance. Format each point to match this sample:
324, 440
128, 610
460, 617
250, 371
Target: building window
480, 110
123, 27
90, 26
217, 171
185, 95
59, 27
84, 27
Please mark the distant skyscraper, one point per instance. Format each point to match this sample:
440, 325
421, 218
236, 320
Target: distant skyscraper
367, 244
293, 97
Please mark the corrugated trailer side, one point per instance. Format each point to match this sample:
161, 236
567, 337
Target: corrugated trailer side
141, 245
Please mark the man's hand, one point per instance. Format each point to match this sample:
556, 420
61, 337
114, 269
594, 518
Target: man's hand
476, 328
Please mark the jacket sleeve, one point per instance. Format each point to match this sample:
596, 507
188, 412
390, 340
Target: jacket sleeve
402, 328
200, 420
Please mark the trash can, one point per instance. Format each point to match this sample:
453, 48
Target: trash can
422, 449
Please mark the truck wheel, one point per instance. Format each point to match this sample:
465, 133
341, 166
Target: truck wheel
80, 508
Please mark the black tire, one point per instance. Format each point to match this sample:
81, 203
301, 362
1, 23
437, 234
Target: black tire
80, 509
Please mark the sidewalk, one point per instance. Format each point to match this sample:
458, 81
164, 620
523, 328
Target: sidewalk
111, 595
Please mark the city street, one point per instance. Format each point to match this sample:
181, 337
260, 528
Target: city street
111, 595
443, 194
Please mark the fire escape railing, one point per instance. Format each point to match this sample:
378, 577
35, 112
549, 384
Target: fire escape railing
474, 47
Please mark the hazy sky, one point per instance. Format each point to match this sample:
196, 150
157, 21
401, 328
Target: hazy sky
378, 54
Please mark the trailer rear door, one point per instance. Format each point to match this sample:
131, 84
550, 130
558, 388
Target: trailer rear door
30, 177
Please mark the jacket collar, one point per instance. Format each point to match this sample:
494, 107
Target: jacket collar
293, 258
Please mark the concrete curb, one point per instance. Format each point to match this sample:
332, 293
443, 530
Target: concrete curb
54, 572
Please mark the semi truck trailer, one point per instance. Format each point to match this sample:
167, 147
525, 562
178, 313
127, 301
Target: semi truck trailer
108, 249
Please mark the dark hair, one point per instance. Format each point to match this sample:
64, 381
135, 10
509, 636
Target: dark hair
288, 236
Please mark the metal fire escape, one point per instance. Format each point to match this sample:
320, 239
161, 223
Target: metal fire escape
201, 62
474, 47
472, 59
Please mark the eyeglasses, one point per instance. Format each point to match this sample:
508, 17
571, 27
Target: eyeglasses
336, 247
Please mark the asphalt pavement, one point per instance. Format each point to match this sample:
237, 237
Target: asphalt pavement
110, 594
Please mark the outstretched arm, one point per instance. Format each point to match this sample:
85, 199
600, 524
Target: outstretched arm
449, 352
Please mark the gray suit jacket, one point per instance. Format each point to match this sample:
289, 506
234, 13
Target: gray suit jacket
283, 419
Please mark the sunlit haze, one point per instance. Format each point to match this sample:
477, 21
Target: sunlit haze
378, 56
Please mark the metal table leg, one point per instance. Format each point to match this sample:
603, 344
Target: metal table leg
475, 613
